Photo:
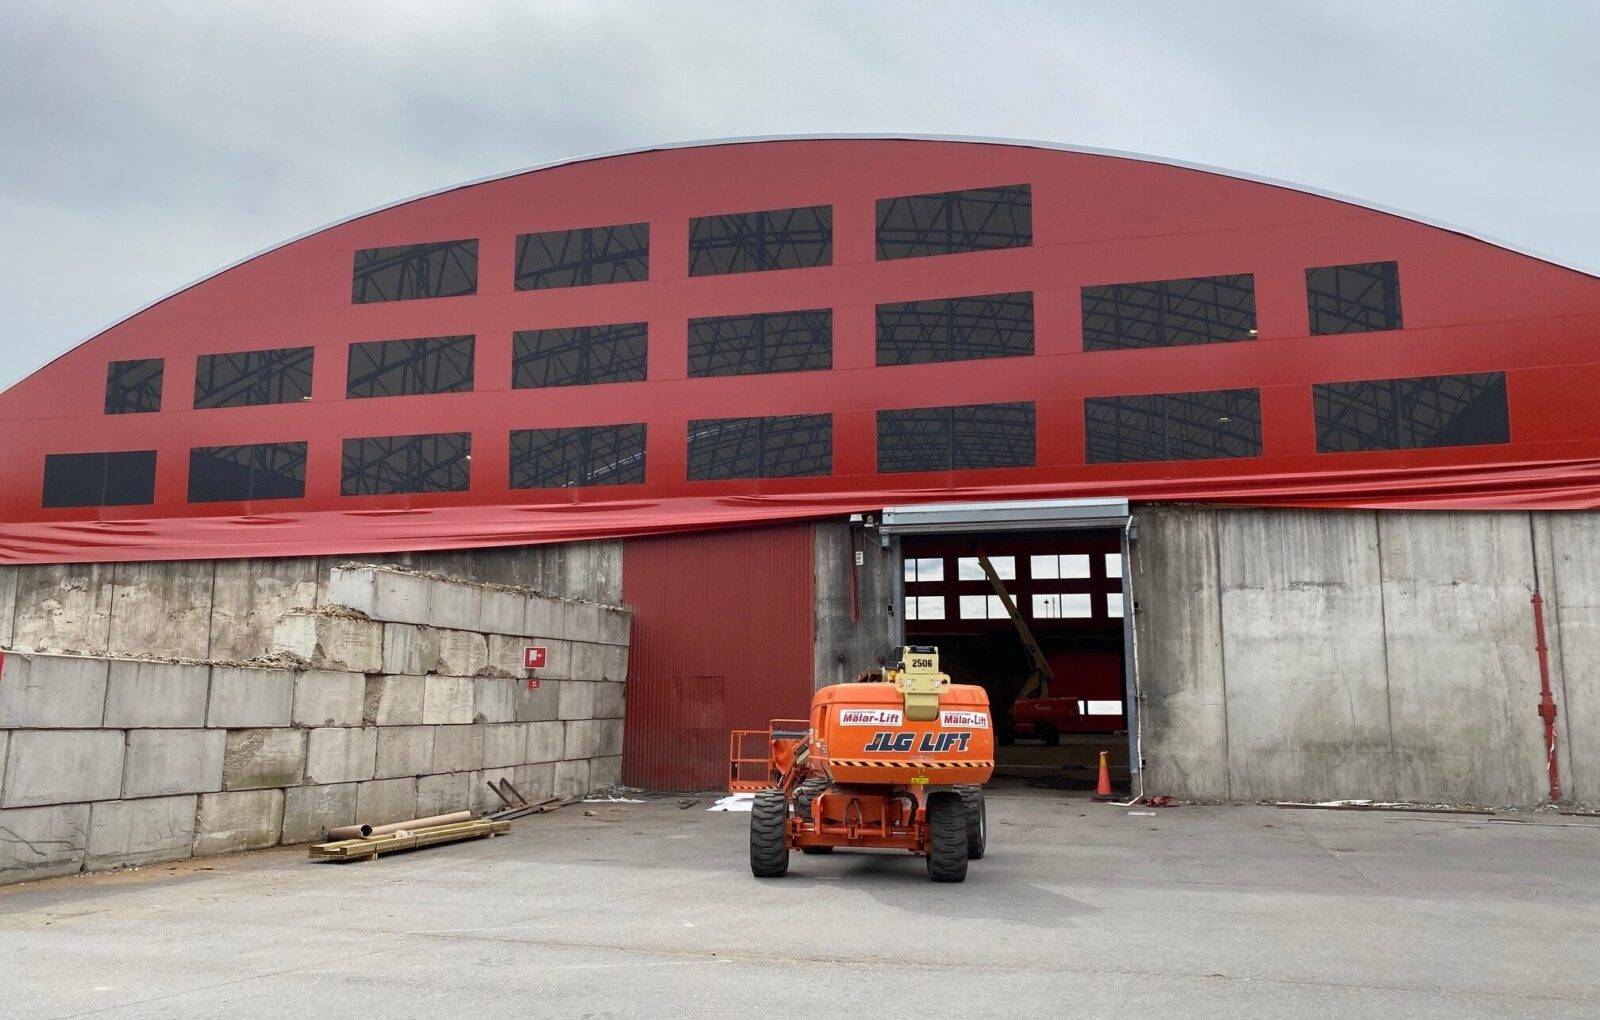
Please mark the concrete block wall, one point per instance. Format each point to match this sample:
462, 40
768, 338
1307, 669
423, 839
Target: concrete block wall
375, 693
1318, 655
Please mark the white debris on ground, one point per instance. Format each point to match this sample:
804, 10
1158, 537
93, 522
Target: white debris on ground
734, 802
1384, 805
612, 800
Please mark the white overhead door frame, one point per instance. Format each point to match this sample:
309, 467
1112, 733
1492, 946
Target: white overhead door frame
1016, 515
1028, 515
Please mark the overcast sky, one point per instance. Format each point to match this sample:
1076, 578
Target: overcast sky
145, 144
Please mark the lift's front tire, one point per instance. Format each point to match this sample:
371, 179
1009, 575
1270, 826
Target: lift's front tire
947, 838
769, 856
977, 812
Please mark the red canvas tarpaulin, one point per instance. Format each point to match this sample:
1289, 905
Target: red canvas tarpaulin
1555, 485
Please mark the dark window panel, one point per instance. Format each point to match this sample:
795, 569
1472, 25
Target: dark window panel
266, 471
134, 387
397, 464
768, 342
125, 478
219, 473
1354, 299
131, 478
1173, 426
566, 458
250, 378
579, 355
1169, 313
579, 258
400, 368
956, 329
407, 271
914, 439
74, 479
1409, 414
789, 446
278, 471
797, 446
992, 436
724, 448
978, 219
757, 241
956, 438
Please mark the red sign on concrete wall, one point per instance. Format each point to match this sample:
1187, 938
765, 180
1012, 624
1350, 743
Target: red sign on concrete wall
533, 656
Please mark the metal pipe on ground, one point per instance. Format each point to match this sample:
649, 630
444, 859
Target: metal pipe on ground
363, 830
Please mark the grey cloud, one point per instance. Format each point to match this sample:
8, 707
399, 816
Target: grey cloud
149, 144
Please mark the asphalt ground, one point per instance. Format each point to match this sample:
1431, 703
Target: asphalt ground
1079, 909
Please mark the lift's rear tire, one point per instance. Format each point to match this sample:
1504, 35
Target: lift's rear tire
805, 795
947, 838
972, 802
769, 856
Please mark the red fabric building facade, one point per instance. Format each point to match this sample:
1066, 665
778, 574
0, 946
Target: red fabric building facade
770, 330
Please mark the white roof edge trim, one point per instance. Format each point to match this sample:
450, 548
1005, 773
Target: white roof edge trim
1087, 150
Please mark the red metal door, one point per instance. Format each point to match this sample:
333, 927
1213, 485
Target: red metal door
722, 632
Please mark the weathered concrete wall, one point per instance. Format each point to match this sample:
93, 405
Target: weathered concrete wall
377, 694
1184, 707
226, 610
577, 570
1364, 655
843, 647
8, 603
1302, 647
1464, 672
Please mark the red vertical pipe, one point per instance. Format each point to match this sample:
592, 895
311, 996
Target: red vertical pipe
1547, 703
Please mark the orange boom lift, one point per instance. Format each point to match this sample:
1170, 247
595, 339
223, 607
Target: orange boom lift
893, 761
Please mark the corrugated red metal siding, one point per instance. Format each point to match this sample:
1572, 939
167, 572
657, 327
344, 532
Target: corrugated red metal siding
722, 632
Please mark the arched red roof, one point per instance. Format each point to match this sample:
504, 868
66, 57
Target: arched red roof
1123, 264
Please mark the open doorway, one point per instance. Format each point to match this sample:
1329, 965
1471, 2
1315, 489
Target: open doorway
1056, 677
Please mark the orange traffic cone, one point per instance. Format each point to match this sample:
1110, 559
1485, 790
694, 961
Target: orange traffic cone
1102, 790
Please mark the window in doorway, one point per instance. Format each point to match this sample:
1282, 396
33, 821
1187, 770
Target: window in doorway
1054, 568
1113, 564
983, 607
1114, 605
925, 569
924, 607
1066, 606
969, 569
